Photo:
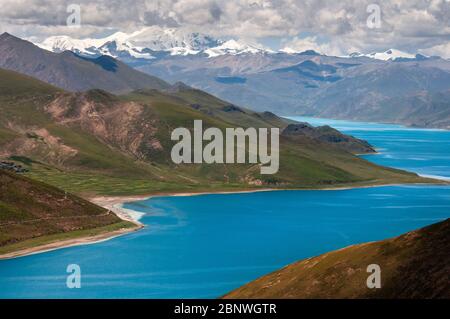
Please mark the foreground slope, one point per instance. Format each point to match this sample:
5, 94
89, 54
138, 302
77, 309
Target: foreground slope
33, 213
413, 265
96, 142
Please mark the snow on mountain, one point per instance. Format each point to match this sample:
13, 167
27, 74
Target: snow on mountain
63, 43
234, 47
389, 55
115, 45
172, 39
155, 41
145, 43
139, 44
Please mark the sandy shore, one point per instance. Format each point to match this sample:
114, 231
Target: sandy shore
110, 203
69, 243
114, 204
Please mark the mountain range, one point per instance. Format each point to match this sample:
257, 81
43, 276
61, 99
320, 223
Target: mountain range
149, 44
90, 141
94, 141
390, 86
155, 42
70, 71
95, 125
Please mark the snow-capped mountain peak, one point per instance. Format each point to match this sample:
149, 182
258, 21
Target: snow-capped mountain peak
148, 42
164, 39
63, 43
388, 55
234, 47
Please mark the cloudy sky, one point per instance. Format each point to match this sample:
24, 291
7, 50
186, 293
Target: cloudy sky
331, 27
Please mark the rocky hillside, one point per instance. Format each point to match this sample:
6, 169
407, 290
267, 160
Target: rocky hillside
96, 142
413, 265
328, 135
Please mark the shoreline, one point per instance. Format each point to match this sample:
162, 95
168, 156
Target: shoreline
88, 240
123, 214
114, 204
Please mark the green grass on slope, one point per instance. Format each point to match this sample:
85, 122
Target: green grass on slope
104, 168
30, 209
16, 84
202, 103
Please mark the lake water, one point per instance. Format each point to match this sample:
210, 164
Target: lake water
424, 151
205, 246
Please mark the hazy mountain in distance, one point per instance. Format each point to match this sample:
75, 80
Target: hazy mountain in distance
359, 88
391, 54
147, 44
70, 71
389, 86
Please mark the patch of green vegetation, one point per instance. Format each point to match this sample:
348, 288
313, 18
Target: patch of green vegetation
22, 159
31, 209
104, 166
15, 84
89, 184
6, 135
10, 213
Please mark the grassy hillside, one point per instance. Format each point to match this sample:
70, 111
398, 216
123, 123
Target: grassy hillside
33, 213
413, 265
96, 142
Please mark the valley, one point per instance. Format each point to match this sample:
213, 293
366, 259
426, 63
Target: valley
82, 128
198, 155
95, 142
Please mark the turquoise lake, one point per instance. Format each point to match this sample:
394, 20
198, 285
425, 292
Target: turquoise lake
204, 246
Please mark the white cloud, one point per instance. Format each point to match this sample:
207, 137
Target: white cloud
442, 50
311, 43
405, 24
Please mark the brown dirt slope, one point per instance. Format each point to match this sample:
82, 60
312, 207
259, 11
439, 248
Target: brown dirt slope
31, 209
413, 265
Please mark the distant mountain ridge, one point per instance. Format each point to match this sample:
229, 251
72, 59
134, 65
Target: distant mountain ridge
310, 84
390, 86
148, 44
70, 71
155, 42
